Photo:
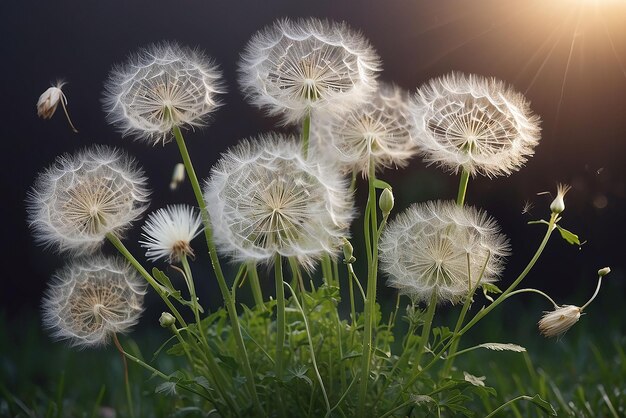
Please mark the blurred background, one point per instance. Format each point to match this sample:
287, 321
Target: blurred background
567, 56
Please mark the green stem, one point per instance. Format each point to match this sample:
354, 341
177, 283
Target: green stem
468, 300
371, 233
428, 321
255, 285
157, 287
504, 405
129, 398
280, 325
306, 129
194, 298
531, 290
517, 281
228, 300
460, 198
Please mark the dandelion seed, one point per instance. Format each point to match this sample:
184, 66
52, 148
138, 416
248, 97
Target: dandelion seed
473, 123
528, 206
91, 299
291, 68
168, 233
378, 130
441, 248
160, 87
82, 197
178, 176
264, 199
49, 101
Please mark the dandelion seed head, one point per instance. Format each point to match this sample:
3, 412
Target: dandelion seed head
168, 232
378, 130
293, 67
428, 248
160, 87
82, 197
90, 299
474, 123
265, 199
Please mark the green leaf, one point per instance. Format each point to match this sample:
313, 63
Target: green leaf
545, 406
380, 184
502, 347
163, 280
490, 288
569, 236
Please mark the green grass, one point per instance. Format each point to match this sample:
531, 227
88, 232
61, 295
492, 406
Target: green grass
581, 375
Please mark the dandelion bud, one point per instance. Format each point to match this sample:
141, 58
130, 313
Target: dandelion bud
167, 320
49, 101
603, 272
557, 322
385, 202
348, 258
558, 204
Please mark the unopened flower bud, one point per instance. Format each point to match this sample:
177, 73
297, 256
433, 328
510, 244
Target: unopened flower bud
49, 101
557, 322
603, 272
167, 320
386, 201
347, 252
558, 204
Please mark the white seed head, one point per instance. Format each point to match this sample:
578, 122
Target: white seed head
442, 248
558, 204
474, 123
160, 87
378, 130
82, 197
90, 299
264, 199
556, 323
49, 100
168, 232
292, 67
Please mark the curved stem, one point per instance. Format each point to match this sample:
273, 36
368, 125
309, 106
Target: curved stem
194, 299
594, 294
312, 349
157, 287
228, 300
517, 281
531, 290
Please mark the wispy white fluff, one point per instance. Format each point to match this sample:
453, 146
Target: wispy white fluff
474, 123
82, 197
264, 198
292, 67
378, 130
426, 249
168, 232
159, 87
90, 299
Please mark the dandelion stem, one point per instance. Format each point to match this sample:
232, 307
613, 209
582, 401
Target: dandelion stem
280, 325
159, 289
531, 290
255, 286
129, 398
594, 294
194, 299
371, 233
428, 321
228, 301
306, 129
460, 198
67, 115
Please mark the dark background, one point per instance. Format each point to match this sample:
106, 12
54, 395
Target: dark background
567, 56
